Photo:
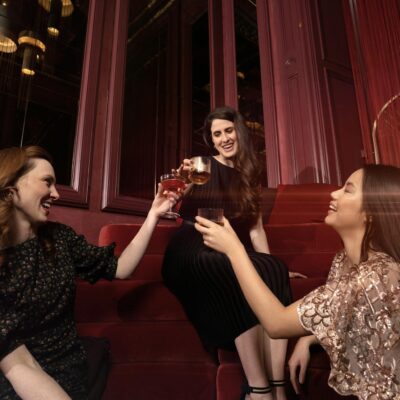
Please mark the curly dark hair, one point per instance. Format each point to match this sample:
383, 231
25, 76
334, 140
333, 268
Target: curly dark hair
245, 161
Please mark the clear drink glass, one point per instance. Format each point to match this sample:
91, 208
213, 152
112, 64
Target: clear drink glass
200, 172
171, 183
213, 214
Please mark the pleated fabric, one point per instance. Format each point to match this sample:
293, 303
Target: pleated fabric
203, 279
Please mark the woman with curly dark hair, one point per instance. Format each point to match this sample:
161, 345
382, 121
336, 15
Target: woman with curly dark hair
41, 355
203, 279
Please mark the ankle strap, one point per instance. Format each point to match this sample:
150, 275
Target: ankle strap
281, 382
258, 390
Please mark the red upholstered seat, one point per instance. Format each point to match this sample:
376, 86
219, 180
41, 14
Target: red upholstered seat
305, 247
122, 234
161, 381
296, 204
155, 351
126, 300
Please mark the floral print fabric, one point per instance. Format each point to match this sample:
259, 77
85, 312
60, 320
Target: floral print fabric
37, 295
356, 318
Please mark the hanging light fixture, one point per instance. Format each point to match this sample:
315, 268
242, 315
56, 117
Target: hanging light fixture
56, 10
53, 26
33, 50
8, 40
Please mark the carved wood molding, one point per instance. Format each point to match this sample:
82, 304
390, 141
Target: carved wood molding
77, 194
111, 199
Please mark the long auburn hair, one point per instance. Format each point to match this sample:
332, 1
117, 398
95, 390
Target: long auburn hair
381, 203
245, 162
14, 163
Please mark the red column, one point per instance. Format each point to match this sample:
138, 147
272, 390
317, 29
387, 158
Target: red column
222, 53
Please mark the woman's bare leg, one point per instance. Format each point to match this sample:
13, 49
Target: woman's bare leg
250, 349
275, 359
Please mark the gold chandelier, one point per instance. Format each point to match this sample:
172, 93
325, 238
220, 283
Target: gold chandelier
33, 50
56, 10
8, 40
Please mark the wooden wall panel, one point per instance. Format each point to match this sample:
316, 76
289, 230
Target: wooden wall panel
343, 148
312, 82
77, 194
222, 53
297, 97
348, 143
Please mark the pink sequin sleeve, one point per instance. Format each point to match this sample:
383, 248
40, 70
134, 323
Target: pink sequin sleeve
356, 318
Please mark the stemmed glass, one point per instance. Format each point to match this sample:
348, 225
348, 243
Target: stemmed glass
200, 171
171, 183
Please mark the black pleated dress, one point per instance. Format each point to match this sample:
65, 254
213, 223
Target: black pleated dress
203, 279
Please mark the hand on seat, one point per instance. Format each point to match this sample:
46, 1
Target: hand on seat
299, 361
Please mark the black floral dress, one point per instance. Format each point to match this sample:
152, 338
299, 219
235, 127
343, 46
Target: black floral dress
37, 294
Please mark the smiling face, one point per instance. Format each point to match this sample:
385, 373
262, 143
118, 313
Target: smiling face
224, 137
33, 195
346, 212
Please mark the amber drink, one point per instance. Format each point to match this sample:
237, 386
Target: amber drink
200, 171
213, 214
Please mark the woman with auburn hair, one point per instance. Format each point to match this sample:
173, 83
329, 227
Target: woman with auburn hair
203, 280
355, 316
41, 356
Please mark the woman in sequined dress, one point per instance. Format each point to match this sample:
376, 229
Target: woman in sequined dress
355, 316
41, 356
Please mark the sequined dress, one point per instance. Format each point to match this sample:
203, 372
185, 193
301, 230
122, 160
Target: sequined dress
356, 318
37, 294
203, 279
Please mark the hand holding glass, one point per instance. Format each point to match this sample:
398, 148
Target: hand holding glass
200, 170
171, 183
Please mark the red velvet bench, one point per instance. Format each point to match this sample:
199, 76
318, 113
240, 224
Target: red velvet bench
155, 352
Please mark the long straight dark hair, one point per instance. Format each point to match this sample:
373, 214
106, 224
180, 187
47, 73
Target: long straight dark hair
381, 203
245, 161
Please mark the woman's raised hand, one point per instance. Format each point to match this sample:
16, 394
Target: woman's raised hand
164, 200
184, 169
220, 238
